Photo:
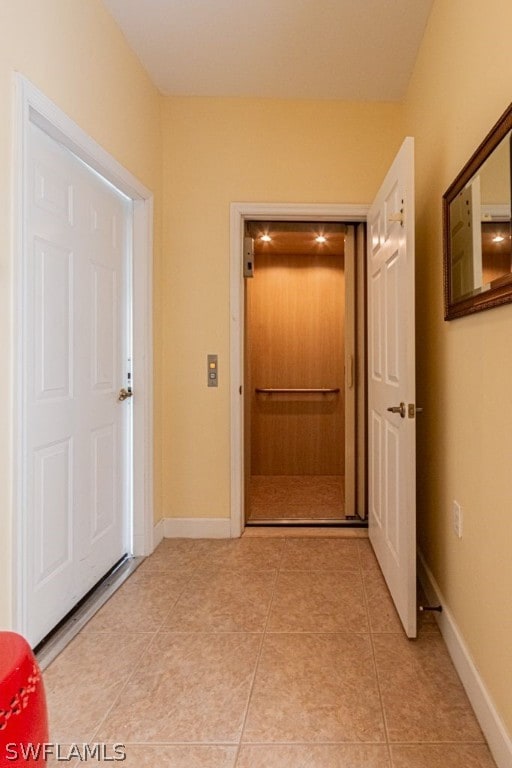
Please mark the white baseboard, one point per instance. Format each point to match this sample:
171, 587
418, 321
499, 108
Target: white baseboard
158, 533
490, 721
197, 527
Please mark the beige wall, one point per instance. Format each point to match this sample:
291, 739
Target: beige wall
218, 151
73, 52
461, 85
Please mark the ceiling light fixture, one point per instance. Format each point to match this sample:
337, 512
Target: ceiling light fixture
498, 239
321, 239
266, 238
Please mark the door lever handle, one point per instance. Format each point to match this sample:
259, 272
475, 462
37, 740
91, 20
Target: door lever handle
350, 371
124, 394
398, 409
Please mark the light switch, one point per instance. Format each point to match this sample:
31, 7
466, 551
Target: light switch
213, 373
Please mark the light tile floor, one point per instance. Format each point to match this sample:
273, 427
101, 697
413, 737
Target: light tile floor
262, 653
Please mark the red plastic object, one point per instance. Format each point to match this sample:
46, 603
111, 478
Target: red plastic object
23, 712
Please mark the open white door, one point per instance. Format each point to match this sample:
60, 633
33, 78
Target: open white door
391, 384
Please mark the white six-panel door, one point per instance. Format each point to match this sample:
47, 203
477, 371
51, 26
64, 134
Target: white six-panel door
391, 384
76, 433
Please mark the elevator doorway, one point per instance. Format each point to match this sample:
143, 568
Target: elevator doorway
301, 358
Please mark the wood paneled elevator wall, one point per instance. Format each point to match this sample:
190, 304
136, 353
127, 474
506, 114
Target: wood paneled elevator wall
295, 329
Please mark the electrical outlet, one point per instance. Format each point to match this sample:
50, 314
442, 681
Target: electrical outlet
457, 518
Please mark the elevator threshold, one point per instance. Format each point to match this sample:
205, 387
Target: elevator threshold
305, 522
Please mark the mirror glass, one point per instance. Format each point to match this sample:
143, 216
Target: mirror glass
478, 232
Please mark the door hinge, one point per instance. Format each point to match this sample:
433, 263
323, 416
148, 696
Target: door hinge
397, 216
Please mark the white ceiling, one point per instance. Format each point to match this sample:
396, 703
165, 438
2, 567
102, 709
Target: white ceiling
355, 50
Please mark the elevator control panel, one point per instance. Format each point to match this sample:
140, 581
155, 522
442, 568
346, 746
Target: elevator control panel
248, 257
213, 373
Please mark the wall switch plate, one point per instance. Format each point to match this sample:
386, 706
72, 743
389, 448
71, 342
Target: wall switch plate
457, 519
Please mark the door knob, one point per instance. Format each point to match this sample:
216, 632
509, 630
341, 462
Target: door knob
398, 409
124, 394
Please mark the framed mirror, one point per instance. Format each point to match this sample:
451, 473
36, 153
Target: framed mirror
477, 231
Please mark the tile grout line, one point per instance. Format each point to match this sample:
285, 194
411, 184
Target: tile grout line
260, 651
283, 743
145, 651
236, 745
359, 571
377, 680
192, 573
186, 584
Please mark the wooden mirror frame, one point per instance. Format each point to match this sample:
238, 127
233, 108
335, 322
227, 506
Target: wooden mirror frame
500, 291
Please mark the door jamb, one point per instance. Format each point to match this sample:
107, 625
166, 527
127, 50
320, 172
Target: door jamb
31, 105
240, 212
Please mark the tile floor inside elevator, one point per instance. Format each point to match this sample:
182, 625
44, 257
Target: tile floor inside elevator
262, 652
296, 497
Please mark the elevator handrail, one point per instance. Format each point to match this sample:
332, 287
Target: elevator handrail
298, 391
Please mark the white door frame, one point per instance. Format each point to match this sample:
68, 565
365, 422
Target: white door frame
240, 212
32, 106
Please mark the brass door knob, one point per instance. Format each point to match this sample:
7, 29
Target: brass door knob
124, 394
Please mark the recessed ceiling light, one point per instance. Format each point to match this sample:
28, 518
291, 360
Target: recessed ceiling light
498, 239
321, 239
266, 238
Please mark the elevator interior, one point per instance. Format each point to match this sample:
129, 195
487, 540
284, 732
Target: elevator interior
304, 409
